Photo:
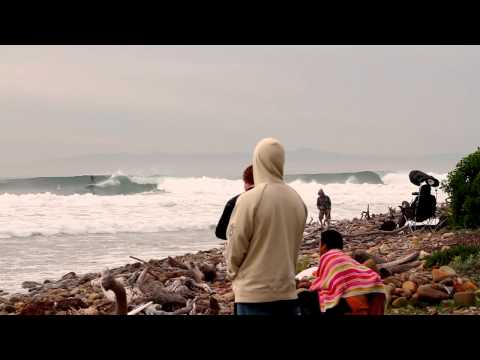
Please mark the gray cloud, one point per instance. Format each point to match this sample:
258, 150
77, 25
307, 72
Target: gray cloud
61, 101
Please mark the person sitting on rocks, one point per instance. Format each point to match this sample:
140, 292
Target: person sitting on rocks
343, 285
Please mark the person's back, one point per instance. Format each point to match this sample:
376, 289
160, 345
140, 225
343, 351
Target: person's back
425, 204
248, 184
265, 232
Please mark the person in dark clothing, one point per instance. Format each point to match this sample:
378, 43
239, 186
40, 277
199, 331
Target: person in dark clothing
424, 204
324, 206
221, 229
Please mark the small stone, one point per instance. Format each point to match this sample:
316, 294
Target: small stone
464, 298
9, 309
423, 254
75, 291
228, 297
418, 279
468, 286
70, 275
445, 248
93, 296
384, 248
393, 280
371, 264
415, 241
400, 302
410, 286
414, 299
449, 281
448, 235
30, 284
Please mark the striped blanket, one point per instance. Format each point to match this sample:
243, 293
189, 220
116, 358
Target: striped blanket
339, 276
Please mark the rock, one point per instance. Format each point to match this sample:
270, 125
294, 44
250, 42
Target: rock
423, 255
371, 264
414, 299
393, 280
466, 286
418, 279
464, 298
445, 248
400, 302
67, 304
75, 291
384, 248
9, 309
94, 296
88, 277
69, 276
410, 286
30, 284
449, 281
228, 297
448, 235
415, 241
398, 291
448, 270
89, 311
429, 294
438, 274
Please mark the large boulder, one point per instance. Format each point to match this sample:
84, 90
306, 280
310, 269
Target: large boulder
464, 298
428, 294
442, 273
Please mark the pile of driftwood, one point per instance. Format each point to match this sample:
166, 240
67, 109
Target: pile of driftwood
165, 287
189, 284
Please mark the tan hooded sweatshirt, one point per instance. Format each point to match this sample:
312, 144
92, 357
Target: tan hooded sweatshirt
265, 232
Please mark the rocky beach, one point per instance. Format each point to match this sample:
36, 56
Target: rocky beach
197, 284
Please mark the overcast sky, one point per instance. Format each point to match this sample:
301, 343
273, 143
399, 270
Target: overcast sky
60, 101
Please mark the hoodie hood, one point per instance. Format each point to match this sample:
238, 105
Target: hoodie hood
268, 161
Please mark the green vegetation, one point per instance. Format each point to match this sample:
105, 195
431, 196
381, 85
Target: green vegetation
463, 187
469, 266
459, 253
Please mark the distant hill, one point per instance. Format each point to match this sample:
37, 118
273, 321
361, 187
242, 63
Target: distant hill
230, 165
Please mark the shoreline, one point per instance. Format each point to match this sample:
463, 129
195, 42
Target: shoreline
189, 278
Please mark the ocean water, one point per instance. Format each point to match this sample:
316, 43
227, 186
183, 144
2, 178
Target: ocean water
50, 226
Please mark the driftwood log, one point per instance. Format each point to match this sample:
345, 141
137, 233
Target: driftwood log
110, 283
405, 259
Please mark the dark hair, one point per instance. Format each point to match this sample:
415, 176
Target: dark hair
332, 239
248, 175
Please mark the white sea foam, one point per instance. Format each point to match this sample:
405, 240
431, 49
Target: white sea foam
186, 204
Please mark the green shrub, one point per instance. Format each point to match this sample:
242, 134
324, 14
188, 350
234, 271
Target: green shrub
468, 265
463, 187
459, 253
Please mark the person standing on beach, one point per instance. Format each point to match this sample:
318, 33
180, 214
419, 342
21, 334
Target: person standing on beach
324, 206
264, 237
221, 229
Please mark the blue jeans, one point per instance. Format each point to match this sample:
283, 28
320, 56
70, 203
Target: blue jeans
281, 308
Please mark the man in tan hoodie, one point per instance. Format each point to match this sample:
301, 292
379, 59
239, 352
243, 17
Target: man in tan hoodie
264, 237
